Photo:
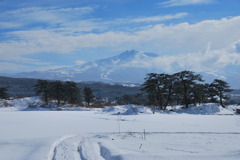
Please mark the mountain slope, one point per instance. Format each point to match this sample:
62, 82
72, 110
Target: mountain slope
114, 69
132, 67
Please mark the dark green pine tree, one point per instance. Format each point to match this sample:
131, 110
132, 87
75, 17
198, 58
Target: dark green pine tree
42, 88
159, 89
220, 87
151, 87
200, 93
56, 91
72, 92
212, 93
88, 95
168, 82
185, 82
3, 93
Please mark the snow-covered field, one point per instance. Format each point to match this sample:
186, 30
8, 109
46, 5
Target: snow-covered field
120, 133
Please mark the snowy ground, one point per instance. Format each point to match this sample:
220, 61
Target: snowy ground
205, 132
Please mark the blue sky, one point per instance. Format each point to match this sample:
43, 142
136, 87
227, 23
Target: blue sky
48, 34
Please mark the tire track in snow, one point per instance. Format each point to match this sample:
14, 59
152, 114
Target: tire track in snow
64, 148
53, 149
77, 147
89, 150
74, 148
80, 147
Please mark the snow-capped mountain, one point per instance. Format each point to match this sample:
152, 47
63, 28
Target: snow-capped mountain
128, 67
120, 68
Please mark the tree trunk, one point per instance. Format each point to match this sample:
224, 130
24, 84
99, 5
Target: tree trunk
185, 94
58, 97
221, 102
46, 98
185, 98
169, 100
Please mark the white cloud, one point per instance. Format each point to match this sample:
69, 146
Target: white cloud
175, 40
52, 16
187, 37
13, 67
9, 25
180, 38
80, 62
173, 3
208, 61
236, 46
159, 18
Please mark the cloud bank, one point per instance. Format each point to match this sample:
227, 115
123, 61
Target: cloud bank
159, 38
174, 3
70, 30
209, 61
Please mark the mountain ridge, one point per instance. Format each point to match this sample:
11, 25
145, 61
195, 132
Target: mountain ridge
127, 67
105, 70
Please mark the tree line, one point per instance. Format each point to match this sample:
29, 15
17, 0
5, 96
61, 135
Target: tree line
63, 92
158, 90
182, 88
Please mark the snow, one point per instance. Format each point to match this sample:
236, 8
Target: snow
126, 132
18, 103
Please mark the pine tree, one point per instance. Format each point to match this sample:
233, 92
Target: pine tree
56, 91
88, 95
200, 93
168, 81
220, 88
42, 88
182, 88
151, 87
159, 89
71, 92
3, 93
185, 82
212, 93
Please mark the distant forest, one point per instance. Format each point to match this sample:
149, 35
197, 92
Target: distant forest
23, 87
158, 89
